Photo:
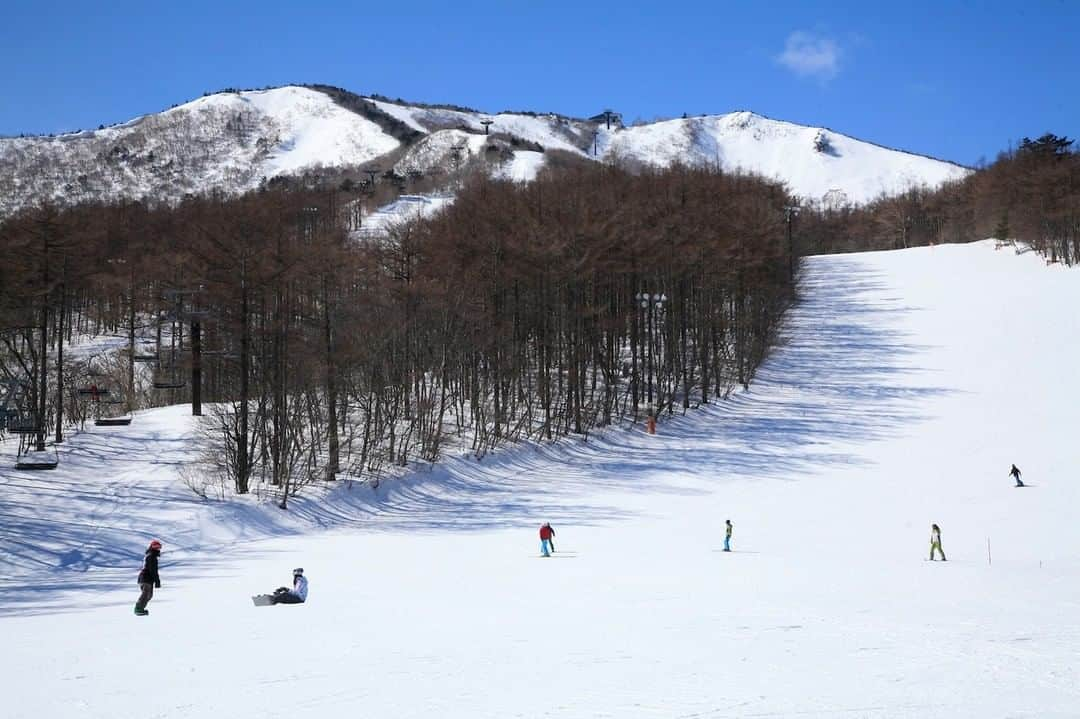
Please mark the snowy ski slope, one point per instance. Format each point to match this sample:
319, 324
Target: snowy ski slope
910, 382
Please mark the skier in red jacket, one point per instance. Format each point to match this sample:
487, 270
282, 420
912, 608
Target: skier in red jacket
547, 539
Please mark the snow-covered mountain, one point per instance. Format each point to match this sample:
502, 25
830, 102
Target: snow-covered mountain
229, 141
812, 161
233, 141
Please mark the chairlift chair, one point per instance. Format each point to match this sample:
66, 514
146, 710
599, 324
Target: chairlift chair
121, 421
34, 460
29, 458
169, 383
16, 416
22, 425
223, 354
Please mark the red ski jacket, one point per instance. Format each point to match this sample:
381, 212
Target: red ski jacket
546, 532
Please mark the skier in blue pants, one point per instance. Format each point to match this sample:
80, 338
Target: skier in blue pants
727, 536
547, 539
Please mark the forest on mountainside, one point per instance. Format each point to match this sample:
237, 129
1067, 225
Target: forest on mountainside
590, 296
1030, 195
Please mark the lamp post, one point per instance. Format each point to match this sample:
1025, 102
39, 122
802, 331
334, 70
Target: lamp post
651, 304
309, 219
131, 325
790, 211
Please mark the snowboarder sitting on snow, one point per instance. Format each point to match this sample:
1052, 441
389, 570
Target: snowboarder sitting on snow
296, 595
148, 578
935, 542
1015, 474
727, 536
547, 539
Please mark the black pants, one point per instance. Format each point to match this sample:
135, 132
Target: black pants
284, 596
145, 597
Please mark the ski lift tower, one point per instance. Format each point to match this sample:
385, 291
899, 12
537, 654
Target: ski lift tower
486, 122
457, 154
186, 307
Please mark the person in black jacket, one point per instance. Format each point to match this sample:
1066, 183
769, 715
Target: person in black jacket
148, 578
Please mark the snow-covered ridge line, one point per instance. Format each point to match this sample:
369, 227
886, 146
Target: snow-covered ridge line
233, 141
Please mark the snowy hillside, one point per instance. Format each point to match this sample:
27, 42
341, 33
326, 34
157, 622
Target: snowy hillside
910, 382
553, 132
812, 161
441, 150
401, 211
232, 141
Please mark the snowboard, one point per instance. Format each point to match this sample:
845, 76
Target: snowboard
262, 600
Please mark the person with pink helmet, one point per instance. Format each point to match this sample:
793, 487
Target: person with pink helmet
148, 578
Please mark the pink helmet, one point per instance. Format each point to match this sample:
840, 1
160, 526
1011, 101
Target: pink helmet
155, 544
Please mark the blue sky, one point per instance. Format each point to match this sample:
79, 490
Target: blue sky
956, 80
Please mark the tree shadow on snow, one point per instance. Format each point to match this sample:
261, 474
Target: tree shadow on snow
844, 376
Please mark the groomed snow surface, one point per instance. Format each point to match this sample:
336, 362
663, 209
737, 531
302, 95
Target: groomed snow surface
910, 382
405, 209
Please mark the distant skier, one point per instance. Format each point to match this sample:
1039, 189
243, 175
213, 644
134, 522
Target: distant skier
727, 536
296, 595
1015, 474
935, 542
148, 578
547, 539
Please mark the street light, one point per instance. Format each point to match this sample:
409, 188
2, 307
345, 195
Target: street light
309, 217
651, 304
790, 211
116, 262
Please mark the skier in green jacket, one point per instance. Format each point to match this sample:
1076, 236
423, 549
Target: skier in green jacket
727, 536
935, 542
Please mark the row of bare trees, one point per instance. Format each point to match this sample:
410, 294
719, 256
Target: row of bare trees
1030, 194
588, 297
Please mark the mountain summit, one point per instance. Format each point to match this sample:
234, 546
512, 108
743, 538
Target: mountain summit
233, 141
